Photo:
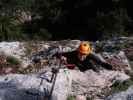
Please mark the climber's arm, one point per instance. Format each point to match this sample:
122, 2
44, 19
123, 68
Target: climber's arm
100, 62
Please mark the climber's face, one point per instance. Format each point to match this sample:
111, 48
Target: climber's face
82, 56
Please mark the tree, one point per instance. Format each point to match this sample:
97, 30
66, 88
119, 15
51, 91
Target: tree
114, 22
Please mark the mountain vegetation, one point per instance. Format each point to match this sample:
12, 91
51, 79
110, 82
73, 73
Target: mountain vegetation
64, 19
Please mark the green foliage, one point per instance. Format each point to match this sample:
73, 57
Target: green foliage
71, 98
13, 60
118, 86
8, 30
13, 19
50, 15
113, 23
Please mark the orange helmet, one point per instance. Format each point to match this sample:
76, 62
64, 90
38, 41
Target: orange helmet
85, 48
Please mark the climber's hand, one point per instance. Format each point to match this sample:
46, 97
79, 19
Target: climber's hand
63, 59
107, 66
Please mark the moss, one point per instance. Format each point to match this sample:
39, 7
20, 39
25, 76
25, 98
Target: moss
13, 60
71, 98
118, 87
88, 98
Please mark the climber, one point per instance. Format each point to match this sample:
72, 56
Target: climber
83, 58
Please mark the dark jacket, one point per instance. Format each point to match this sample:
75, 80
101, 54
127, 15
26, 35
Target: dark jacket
91, 61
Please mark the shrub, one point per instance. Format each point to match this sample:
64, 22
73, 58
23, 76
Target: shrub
71, 98
12, 60
113, 23
118, 87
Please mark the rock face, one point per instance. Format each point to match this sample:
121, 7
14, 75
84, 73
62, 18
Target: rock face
118, 60
12, 48
129, 52
54, 47
124, 95
15, 49
69, 82
28, 52
92, 83
30, 87
15, 87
